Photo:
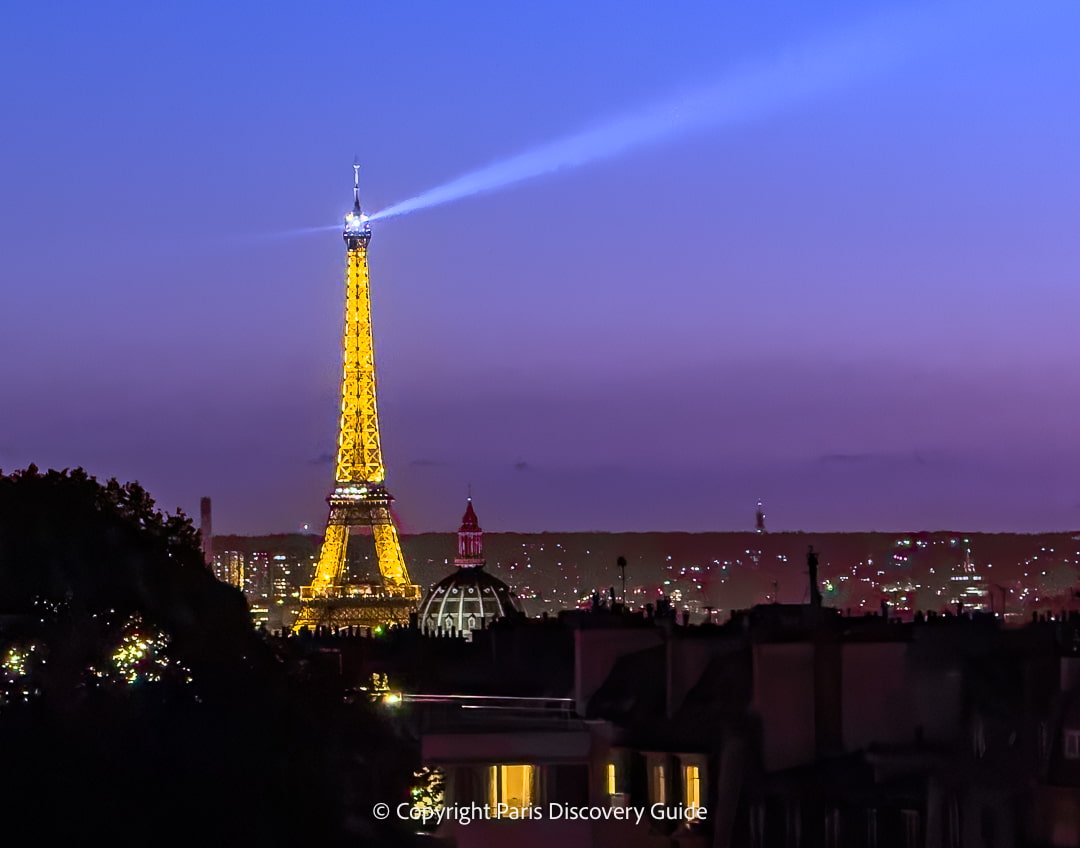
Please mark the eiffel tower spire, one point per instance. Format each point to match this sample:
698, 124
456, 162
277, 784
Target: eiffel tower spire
360, 502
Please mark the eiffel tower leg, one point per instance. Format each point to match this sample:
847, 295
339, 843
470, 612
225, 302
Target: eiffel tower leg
391, 560
328, 575
308, 617
331, 565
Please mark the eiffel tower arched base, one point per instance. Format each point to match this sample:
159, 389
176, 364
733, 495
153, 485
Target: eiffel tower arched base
362, 611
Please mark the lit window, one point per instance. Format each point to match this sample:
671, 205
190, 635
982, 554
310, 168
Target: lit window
1072, 744
692, 787
611, 778
659, 785
511, 786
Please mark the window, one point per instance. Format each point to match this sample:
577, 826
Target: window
953, 822
912, 831
1072, 744
658, 785
510, 786
692, 787
832, 828
610, 774
566, 783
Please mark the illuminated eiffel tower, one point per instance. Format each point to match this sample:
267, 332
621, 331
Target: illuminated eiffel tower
359, 503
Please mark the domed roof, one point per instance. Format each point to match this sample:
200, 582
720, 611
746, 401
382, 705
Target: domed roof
466, 600
470, 598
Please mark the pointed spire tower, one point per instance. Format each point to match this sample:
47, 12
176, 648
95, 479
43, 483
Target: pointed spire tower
470, 540
360, 502
470, 598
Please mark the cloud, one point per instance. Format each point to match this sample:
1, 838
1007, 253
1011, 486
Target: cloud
323, 459
846, 458
521, 465
426, 463
910, 458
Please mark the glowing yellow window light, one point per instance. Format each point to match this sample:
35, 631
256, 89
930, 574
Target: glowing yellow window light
510, 786
692, 786
611, 778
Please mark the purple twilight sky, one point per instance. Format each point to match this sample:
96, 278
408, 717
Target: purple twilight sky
859, 304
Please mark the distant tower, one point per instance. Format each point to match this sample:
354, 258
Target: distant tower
470, 598
359, 501
811, 569
759, 518
206, 536
470, 540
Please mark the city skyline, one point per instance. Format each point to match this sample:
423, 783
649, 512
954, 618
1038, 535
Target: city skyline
858, 309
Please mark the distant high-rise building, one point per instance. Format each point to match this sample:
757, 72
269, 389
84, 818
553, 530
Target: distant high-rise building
969, 589
281, 579
257, 579
286, 577
229, 568
257, 587
206, 537
759, 518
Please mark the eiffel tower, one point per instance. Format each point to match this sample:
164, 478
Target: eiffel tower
360, 502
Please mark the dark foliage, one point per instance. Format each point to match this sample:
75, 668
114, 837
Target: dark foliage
198, 733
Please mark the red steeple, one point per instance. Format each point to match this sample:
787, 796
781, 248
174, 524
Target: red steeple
469, 522
470, 544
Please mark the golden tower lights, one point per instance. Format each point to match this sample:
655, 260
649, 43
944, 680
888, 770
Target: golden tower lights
359, 500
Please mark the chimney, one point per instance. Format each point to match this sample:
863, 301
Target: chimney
811, 568
205, 532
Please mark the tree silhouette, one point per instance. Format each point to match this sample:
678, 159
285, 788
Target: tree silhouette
136, 701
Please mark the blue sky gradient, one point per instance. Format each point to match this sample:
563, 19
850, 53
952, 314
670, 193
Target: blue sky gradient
860, 305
